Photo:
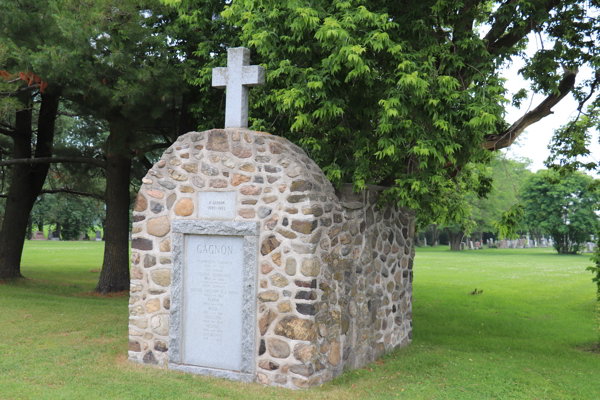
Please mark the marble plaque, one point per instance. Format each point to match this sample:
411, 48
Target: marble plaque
212, 312
217, 205
213, 306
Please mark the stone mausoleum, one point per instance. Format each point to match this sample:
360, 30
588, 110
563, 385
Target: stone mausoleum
247, 264
333, 270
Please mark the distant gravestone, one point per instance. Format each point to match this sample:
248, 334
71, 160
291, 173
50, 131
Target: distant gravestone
463, 245
425, 241
39, 235
98, 236
55, 236
471, 245
49, 235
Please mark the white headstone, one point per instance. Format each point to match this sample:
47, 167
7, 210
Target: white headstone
237, 78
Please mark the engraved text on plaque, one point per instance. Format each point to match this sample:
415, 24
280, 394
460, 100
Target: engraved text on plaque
212, 323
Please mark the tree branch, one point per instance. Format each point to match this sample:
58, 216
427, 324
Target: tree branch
151, 147
7, 132
51, 160
75, 192
497, 39
496, 142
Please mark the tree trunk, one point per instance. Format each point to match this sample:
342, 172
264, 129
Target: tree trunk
27, 180
57, 230
455, 240
115, 269
29, 228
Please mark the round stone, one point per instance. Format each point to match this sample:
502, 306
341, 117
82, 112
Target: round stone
160, 324
184, 207
161, 277
141, 204
278, 348
159, 226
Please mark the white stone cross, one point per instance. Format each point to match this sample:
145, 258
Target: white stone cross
237, 78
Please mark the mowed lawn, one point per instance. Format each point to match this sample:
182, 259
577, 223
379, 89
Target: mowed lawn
528, 335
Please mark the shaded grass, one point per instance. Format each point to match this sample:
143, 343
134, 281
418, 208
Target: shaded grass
522, 338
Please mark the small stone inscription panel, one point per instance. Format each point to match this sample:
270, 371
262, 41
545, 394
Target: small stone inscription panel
217, 205
212, 313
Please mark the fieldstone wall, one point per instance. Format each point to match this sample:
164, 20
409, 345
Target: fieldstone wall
335, 270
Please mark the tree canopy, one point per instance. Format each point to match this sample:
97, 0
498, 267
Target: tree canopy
408, 94
563, 207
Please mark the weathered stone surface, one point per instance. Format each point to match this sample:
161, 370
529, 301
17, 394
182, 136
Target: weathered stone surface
276, 257
278, 348
150, 359
264, 212
209, 170
153, 306
247, 213
311, 267
241, 152
184, 207
178, 176
279, 280
218, 183
160, 324
238, 179
304, 370
190, 167
141, 204
269, 244
304, 226
287, 234
268, 365
306, 309
159, 226
136, 273
290, 266
266, 320
165, 245
296, 328
269, 295
134, 346
247, 168
156, 207
301, 186
276, 148
335, 355
141, 244
217, 141
304, 352
161, 346
250, 190
285, 306
157, 194
149, 260
265, 268
161, 277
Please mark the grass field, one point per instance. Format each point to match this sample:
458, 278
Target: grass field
527, 336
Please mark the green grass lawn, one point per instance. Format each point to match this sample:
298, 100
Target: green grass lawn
526, 336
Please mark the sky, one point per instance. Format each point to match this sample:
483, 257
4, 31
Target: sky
533, 143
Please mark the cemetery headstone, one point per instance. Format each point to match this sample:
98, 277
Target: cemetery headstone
247, 264
49, 235
470, 245
98, 236
55, 236
39, 235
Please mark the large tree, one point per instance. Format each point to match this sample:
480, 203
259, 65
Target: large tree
407, 94
562, 206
